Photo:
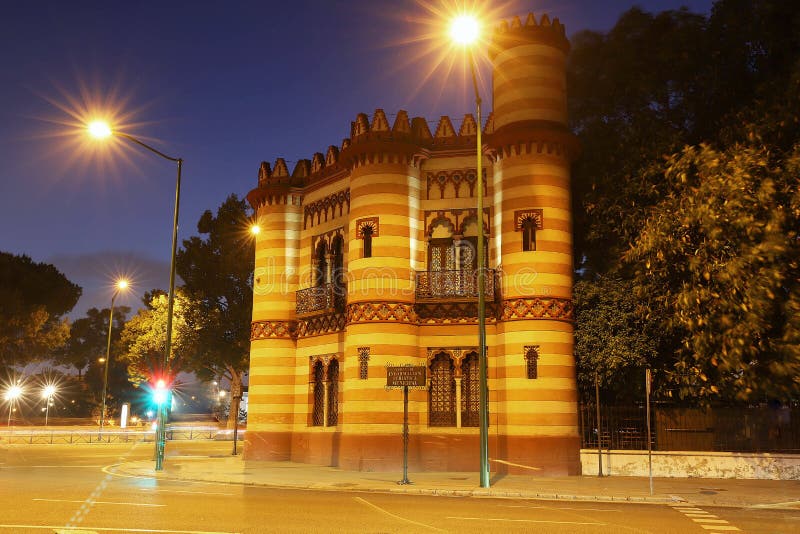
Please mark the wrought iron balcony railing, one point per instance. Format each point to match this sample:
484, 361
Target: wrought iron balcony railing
452, 284
324, 298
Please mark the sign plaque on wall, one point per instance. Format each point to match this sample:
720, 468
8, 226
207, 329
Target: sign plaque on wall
398, 376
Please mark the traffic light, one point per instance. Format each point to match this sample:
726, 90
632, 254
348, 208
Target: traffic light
160, 392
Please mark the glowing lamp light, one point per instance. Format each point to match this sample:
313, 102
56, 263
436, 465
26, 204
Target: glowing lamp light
255, 229
13, 393
465, 29
99, 129
122, 283
48, 391
160, 392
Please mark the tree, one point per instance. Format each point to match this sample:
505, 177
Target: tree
614, 341
218, 276
142, 344
719, 260
87, 344
33, 298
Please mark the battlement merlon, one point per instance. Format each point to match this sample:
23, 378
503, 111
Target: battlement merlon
413, 134
516, 33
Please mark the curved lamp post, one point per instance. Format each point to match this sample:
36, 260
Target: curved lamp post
121, 285
13, 393
47, 394
465, 31
100, 130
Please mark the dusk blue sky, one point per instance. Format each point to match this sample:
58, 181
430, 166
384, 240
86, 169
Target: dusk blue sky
224, 85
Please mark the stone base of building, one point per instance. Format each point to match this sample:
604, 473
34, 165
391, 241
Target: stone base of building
520, 455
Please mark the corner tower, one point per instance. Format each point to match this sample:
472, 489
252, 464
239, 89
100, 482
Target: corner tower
532, 148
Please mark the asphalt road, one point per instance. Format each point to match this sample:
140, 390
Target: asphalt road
73, 488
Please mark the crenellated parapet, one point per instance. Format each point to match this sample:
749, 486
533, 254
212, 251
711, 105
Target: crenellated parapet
372, 139
508, 35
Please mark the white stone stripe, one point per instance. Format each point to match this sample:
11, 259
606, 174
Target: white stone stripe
708, 520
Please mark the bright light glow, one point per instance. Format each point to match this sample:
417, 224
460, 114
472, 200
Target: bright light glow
101, 360
255, 229
99, 129
48, 391
122, 283
13, 393
465, 29
160, 393
221, 393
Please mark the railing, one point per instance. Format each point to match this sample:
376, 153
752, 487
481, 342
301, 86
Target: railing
86, 435
452, 284
729, 429
327, 297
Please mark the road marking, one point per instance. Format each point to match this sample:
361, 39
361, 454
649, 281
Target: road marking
390, 514
777, 504
75, 530
523, 520
102, 502
704, 519
558, 508
186, 491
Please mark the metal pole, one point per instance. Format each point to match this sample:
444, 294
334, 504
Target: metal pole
47, 410
108, 356
161, 424
161, 413
599, 442
482, 364
405, 437
647, 378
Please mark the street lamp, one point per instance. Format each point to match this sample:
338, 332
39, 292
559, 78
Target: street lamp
13, 393
47, 394
101, 130
465, 31
121, 285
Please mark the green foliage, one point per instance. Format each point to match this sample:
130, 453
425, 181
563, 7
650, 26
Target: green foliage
143, 340
33, 297
614, 341
218, 276
719, 257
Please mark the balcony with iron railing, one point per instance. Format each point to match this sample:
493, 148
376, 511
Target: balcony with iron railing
327, 298
457, 284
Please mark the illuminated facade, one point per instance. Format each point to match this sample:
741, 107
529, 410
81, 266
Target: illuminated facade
367, 257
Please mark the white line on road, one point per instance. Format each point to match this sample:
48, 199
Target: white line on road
103, 502
390, 514
523, 520
558, 508
15, 528
186, 491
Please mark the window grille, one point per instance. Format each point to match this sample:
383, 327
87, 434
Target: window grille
442, 392
470, 390
363, 362
532, 361
318, 414
333, 393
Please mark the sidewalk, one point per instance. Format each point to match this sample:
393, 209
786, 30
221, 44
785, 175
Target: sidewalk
700, 492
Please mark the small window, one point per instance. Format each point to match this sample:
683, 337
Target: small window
363, 362
528, 235
333, 393
532, 361
367, 232
318, 412
528, 222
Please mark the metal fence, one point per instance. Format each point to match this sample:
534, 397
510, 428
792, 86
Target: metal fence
84, 435
729, 429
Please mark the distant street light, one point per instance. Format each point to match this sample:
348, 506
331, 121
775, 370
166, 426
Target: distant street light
121, 285
101, 130
47, 394
465, 31
255, 229
13, 393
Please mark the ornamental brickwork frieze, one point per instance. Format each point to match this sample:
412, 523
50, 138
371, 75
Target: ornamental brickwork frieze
436, 313
537, 308
393, 312
326, 208
321, 324
272, 330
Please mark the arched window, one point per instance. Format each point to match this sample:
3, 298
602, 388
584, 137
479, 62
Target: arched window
470, 390
532, 361
333, 393
441, 254
366, 232
528, 235
318, 413
320, 265
442, 391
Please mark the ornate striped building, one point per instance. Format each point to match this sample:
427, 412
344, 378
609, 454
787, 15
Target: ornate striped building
367, 257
